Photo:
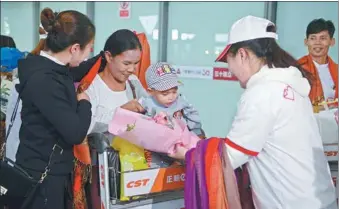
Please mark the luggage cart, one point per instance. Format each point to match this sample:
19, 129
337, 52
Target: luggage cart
109, 181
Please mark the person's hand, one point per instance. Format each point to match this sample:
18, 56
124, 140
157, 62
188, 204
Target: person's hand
85, 141
202, 136
133, 106
82, 95
180, 152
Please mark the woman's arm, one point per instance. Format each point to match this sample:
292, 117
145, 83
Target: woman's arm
251, 126
249, 132
49, 95
79, 72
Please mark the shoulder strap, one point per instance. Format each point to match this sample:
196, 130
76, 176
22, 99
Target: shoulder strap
89, 77
133, 89
15, 110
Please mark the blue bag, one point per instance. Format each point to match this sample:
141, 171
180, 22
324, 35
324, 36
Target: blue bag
9, 58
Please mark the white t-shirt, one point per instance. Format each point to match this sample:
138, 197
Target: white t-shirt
326, 80
276, 134
104, 101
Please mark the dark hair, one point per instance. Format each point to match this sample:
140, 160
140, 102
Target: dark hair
7, 41
269, 50
46, 18
319, 25
121, 41
64, 29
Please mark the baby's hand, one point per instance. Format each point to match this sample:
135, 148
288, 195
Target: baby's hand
161, 118
178, 114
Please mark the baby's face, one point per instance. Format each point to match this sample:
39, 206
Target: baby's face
165, 98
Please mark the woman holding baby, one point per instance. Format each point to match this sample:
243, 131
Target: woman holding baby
112, 85
116, 86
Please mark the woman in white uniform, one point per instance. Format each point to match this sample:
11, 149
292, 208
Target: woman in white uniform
274, 132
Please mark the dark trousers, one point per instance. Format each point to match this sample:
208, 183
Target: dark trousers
52, 194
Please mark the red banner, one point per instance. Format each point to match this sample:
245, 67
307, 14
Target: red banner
223, 74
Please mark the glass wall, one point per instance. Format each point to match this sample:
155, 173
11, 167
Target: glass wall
144, 17
198, 30
61, 6
292, 27
17, 22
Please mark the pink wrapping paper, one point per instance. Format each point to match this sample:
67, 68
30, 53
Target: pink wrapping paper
146, 133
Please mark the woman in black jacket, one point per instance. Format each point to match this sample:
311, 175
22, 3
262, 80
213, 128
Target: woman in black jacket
53, 116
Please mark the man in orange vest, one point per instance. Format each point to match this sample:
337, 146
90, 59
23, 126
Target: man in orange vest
319, 38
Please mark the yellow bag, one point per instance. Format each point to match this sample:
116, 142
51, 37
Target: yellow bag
132, 158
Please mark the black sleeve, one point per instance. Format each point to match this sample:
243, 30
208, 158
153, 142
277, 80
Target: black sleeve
53, 102
79, 72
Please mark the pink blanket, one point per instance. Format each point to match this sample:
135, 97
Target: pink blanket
147, 133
